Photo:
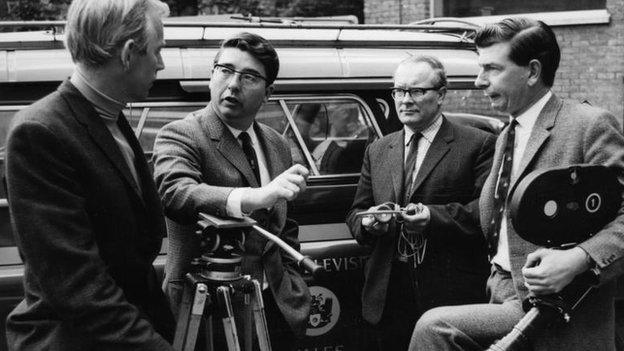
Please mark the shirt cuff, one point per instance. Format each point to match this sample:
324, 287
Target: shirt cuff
233, 203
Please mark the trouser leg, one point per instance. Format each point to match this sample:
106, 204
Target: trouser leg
470, 327
281, 335
400, 313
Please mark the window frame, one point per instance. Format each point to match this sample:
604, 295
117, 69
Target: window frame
553, 19
282, 100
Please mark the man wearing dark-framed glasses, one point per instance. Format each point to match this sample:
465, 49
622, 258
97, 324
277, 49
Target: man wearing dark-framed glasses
249, 78
436, 256
218, 160
414, 93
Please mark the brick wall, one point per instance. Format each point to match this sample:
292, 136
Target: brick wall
395, 11
592, 62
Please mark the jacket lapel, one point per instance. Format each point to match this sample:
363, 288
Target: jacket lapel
540, 133
395, 163
87, 116
227, 145
436, 152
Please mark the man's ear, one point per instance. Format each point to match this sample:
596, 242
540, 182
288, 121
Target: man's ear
441, 95
126, 52
268, 91
535, 72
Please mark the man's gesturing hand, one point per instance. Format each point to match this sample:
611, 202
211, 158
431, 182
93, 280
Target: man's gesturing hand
285, 186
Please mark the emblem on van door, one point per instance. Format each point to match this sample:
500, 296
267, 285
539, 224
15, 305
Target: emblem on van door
324, 311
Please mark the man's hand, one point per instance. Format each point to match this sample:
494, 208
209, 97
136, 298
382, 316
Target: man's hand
285, 186
372, 225
416, 217
548, 271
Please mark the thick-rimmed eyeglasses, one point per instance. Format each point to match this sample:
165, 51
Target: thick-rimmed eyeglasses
246, 77
399, 93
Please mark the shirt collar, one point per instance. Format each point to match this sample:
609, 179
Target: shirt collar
107, 107
428, 133
527, 118
251, 131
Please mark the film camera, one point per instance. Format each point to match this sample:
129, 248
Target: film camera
559, 208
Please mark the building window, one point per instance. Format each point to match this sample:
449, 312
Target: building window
471, 8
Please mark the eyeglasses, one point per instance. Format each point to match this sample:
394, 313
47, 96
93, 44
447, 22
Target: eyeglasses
247, 78
399, 93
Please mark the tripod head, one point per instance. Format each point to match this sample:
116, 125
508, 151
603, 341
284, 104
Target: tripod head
216, 229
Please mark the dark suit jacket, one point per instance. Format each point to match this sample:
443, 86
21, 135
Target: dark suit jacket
567, 133
449, 181
86, 235
198, 162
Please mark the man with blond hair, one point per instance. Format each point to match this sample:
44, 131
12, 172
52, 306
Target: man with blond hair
85, 212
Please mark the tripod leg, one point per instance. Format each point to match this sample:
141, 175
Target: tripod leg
183, 318
229, 325
209, 333
197, 310
247, 331
261, 324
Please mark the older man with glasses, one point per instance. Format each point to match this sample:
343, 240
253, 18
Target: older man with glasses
218, 160
434, 253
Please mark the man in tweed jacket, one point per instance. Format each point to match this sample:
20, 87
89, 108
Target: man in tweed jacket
201, 166
518, 59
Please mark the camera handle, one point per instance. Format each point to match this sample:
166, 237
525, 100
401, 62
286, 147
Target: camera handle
544, 310
305, 262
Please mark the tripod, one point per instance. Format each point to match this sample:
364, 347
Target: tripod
216, 276
209, 293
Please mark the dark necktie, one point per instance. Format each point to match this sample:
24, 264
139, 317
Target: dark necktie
250, 153
502, 188
410, 164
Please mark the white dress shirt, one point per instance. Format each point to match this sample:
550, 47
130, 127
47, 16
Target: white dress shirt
233, 204
526, 121
428, 134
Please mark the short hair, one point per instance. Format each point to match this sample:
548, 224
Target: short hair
434, 63
529, 39
257, 47
97, 29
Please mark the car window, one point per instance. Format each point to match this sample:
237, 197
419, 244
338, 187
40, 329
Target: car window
157, 116
335, 132
6, 117
7, 113
272, 114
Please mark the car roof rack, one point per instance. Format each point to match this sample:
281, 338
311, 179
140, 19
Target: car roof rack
193, 33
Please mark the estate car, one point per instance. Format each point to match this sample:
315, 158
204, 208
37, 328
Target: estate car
333, 85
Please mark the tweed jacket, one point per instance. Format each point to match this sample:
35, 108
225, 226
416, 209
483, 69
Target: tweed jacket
197, 163
449, 181
567, 133
86, 233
